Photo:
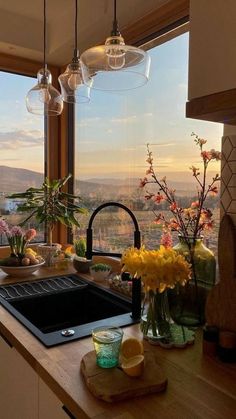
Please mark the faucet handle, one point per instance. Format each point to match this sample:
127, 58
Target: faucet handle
125, 276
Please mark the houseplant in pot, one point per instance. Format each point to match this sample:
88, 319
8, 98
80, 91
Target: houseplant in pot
100, 271
81, 264
49, 204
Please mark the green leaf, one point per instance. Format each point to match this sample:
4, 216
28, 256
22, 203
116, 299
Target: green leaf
69, 195
49, 204
73, 220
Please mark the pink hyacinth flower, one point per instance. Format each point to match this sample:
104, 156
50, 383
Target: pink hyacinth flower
30, 234
3, 227
16, 231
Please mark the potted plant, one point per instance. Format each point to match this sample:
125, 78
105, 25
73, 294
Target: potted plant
81, 264
49, 204
100, 271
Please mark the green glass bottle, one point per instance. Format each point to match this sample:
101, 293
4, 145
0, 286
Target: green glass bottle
187, 304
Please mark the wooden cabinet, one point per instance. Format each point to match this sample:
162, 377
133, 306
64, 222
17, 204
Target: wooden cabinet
18, 385
50, 407
23, 395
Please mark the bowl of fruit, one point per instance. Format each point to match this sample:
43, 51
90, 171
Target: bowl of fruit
20, 267
22, 260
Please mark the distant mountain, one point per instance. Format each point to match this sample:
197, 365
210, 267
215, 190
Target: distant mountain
107, 191
17, 180
107, 181
180, 184
122, 188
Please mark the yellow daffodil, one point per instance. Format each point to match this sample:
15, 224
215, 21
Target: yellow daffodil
158, 269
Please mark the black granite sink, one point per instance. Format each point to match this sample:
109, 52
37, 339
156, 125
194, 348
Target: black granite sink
62, 309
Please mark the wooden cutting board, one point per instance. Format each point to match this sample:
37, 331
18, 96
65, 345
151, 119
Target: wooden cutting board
221, 301
113, 384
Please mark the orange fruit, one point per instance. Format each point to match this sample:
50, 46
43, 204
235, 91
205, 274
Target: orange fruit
133, 366
69, 249
131, 347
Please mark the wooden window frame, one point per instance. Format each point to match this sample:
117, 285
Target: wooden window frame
55, 165
59, 131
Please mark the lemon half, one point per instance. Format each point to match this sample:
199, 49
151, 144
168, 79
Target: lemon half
133, 366
131, 347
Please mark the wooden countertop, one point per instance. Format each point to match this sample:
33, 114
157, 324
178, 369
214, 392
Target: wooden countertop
198, 386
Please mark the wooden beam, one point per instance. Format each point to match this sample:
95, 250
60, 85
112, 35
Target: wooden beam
169, 15
217, 107
18, 65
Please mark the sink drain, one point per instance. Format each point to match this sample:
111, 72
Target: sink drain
67, 332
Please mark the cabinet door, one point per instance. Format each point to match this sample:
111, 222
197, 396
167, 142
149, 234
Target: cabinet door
18, 385
50, 407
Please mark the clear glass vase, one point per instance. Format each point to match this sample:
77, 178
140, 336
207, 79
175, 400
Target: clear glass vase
187, 304
155, 322
157, 325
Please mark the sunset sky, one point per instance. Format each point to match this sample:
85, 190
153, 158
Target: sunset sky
113, 129
21, 133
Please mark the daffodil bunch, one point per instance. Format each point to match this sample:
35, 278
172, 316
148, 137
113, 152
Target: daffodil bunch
158, 269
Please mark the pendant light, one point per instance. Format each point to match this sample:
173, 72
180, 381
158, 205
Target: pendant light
44, 99
115, 66
73, 88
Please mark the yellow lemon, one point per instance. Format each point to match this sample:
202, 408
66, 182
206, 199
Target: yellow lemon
29, 250
133, 366
131, 347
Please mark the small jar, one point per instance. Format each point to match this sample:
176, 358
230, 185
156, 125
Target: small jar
210, 340
227, 346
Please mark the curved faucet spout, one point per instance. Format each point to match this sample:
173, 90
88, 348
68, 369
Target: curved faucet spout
136, 283
137, 238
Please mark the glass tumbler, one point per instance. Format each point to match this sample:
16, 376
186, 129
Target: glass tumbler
107, 341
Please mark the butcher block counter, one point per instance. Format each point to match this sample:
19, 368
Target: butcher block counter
198, 386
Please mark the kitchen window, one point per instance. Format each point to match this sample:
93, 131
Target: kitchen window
22, 147
111, 134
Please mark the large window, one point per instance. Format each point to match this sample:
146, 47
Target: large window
21, 143
111, 136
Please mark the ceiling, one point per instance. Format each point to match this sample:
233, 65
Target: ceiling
21, 23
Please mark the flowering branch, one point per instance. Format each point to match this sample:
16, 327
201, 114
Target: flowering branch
189, 222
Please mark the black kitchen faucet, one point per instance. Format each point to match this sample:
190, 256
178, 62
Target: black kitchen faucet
136, 283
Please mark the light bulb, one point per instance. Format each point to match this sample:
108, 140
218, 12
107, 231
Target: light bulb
44, 95
116, 62
115, 52
74, 81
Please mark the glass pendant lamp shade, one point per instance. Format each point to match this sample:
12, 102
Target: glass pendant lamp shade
125, 69
73, 89
115, 66
43, 98
71, 81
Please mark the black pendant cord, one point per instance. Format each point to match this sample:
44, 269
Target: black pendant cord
115, 29
115, 11
76, 24
44, 36
76, 55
